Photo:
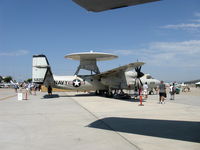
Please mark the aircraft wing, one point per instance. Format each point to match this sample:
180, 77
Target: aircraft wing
101, 5
120, 69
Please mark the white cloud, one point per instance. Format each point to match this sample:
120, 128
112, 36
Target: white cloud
197, 14
183, 26
193, 26
15, 53
186, 47
123, 52
182, 54
196, 20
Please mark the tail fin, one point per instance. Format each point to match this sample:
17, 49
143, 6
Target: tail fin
41, 71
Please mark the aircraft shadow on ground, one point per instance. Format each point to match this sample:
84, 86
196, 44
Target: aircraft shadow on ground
131, 100
178, 130
57, 95
51, 96
85, 94
89, 94
92, 94
126, 99
78, 95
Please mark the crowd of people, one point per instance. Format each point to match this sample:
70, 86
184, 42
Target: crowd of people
31, 88
161, 90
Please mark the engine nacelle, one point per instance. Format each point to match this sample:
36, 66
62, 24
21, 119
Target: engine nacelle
131, 74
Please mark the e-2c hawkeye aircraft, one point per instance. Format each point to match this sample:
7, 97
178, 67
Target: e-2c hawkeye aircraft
115, 80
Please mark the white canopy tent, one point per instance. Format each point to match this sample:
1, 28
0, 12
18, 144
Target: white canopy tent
198, 83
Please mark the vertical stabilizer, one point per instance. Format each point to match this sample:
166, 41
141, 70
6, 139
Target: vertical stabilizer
41, 71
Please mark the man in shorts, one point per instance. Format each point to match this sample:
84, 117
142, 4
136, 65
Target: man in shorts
162, 92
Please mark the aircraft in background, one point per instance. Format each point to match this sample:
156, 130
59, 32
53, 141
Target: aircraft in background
8, 85
5, 85
107, 82
102, 5
151, 82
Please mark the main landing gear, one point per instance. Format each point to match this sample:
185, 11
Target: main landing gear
118, 94
105, 93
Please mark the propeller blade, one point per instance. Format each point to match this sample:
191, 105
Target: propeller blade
139, 73
138, 82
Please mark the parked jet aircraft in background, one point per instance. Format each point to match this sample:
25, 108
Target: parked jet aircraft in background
101, 5
9, 85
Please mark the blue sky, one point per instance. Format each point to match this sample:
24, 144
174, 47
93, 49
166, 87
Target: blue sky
165, 35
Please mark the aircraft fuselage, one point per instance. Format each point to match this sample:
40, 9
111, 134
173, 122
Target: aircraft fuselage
78, 83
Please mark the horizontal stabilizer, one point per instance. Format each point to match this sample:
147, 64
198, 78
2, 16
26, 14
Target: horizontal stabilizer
42, 66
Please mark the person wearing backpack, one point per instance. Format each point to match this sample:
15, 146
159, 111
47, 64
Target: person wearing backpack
172, 91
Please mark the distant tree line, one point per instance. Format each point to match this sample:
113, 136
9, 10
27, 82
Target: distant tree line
192, 82
1, 79
28, 80
7, 79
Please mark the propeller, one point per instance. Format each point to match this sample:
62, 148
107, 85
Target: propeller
139, 73
138, 82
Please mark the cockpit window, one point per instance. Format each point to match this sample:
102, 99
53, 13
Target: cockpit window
149, 77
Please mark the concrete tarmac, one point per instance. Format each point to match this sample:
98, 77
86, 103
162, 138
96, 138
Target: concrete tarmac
76, 121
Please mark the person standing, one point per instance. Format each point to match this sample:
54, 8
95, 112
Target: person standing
145, 90
29, 88
49, 90
172, 91
16, 87
162, 92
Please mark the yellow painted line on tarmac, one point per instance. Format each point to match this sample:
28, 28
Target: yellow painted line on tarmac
1, 99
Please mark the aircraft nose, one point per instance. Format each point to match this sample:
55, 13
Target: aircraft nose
157, 81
